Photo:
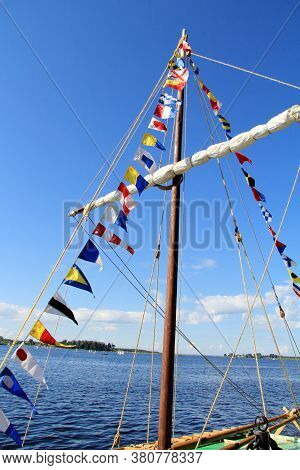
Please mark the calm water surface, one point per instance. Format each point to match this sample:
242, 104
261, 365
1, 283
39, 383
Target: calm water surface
81, 409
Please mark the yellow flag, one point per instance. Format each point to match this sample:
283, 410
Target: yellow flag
131, 175
149, 140
74, 275
40, 333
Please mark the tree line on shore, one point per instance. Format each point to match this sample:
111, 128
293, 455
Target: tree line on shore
80, 344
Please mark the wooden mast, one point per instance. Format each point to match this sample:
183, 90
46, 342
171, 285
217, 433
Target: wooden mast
167, 367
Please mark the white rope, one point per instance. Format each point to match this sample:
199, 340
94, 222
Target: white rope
247, 71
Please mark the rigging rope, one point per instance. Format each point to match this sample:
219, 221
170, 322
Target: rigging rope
291, 338
156, 260
284, 370
73, 235
226, 64
248, 261
222, 176
206, 114
50, 348
183, 335
117, 436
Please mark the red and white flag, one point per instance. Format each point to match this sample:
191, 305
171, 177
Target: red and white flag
157, 125
164, 112
111, 237
23, 357
126, 199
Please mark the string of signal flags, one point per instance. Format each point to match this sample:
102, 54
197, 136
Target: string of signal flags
259, 197
166, 108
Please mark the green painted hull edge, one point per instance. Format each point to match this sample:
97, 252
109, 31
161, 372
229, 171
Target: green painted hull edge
284, 442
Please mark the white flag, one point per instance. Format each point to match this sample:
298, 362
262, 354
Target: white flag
145, 159
23, 357
110, 214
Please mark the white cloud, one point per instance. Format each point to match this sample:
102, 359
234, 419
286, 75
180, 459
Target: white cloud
108, 316
11, 311
206, 263
220, 307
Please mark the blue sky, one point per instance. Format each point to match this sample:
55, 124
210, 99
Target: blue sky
105, 57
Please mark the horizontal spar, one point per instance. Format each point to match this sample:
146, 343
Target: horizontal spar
237, 143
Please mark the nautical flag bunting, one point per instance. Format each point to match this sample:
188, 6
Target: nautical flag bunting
250, 180
288, 261
151, 141
242, 158
296, 289
164, 112
133, 176
122, 220
157, 125
194, 67
110, 214
126, 199
91, 253
8, 429
279, 245
215, 104
9, 382
266, 214
169, 100
110, 237
113, 216
58, 306
76, 278
224, 123
186, 47
295, 278
40, 333
25, 360
145, 159
179, 63
258, 196
177, 79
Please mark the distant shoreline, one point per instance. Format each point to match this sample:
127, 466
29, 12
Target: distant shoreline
94, 346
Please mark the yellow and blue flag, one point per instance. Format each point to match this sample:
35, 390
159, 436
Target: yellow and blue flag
133, 176
76, 278
151, 141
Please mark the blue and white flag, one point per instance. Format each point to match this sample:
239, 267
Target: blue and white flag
9, 382
8, 429
145, 159
288, 261
168, 100
122, 220
91, 253
266, 214
115, 216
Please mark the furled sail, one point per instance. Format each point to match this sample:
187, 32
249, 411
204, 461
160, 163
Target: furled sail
239, 142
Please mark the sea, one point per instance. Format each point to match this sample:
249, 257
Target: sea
81, 407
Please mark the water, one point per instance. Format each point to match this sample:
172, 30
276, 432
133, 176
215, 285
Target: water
82, 407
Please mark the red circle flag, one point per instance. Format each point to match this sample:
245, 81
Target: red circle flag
21, 354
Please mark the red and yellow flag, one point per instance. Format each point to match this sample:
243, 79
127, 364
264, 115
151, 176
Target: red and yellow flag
40, 333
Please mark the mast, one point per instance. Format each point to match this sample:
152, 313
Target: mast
167, 366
